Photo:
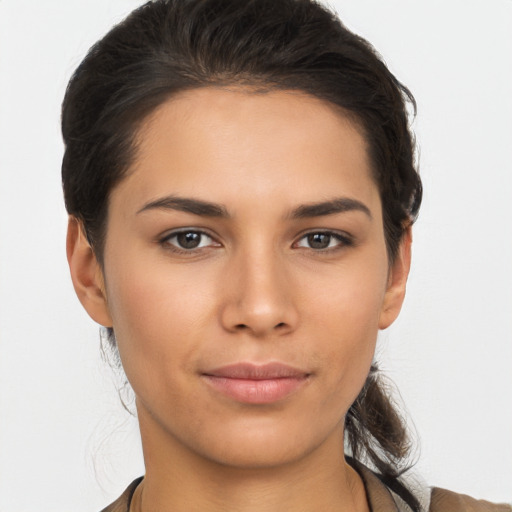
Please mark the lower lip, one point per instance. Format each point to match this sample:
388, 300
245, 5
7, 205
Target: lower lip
252, 391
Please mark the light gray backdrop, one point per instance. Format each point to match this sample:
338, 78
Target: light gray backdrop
63, 433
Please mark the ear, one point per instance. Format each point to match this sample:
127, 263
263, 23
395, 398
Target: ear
86, 274
397, 280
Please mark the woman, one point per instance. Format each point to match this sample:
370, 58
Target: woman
241, 186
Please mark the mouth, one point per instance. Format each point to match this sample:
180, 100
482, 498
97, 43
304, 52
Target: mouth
256, 384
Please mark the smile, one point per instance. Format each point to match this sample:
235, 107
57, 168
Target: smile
256, 384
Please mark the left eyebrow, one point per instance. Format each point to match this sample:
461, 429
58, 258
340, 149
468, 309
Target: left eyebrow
331, 207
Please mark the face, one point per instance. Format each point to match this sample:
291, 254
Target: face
245, 274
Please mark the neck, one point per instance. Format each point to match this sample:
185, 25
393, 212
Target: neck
178, 479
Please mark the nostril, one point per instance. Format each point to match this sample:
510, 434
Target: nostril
243, 327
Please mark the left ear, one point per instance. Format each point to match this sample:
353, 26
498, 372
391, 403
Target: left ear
397, 280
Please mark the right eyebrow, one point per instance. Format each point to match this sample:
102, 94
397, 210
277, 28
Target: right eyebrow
185, 204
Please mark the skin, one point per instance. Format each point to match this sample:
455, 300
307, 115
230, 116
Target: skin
255, 290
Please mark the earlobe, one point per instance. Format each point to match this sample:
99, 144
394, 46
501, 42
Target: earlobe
86, 273
397, 282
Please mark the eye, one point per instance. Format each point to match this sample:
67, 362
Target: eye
188, 240
323, 240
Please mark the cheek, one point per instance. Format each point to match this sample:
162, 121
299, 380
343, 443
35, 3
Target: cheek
344, 321
350, 298
158, 317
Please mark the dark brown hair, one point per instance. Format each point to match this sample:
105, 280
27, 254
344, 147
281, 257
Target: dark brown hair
167, 46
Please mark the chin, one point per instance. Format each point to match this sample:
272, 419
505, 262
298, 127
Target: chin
264, 445
256, 456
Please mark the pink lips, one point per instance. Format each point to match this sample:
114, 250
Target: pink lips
256, 384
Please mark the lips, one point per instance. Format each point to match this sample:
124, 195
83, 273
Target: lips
256, 384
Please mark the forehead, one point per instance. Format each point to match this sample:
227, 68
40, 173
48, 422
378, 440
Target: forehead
235, 142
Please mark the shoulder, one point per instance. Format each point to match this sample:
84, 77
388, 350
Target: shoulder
122, 504
448, 501
432, 499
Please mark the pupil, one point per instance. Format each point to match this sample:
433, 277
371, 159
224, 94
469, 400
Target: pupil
319, 240
189, 240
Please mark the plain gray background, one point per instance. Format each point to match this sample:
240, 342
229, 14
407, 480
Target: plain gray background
63, 433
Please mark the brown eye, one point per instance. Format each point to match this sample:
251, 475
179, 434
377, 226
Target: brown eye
188, 240
323, 240
319, 240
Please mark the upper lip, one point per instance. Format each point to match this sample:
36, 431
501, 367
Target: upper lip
251, 371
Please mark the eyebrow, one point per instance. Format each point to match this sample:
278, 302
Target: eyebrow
209, 209
183, 204
331, 207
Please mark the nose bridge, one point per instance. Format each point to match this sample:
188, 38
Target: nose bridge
260, 298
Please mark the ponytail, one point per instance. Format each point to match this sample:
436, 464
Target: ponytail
376, 433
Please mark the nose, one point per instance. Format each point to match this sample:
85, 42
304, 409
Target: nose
259, 296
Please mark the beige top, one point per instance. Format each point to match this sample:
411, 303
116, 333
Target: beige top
380, 498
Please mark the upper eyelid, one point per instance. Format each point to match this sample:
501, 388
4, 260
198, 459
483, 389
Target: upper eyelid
174, 232
333, 232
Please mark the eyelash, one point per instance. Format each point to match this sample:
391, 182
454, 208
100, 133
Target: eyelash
343, 239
